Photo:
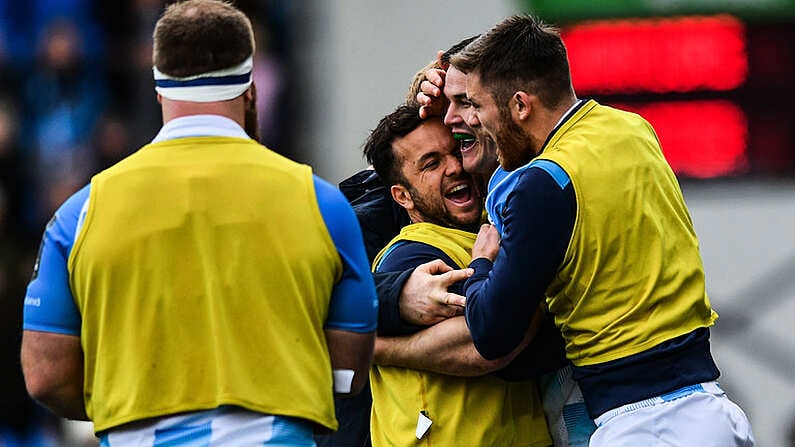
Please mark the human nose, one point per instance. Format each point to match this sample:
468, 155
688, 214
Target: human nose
452, 116
472, 119
454, 166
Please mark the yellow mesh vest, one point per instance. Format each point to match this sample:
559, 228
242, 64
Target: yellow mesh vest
203, 274
466, 411
632, 276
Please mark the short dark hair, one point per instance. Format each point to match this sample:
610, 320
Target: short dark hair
378, 149
198, 36
519, 53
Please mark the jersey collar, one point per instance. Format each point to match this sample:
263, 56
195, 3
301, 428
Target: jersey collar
200, 126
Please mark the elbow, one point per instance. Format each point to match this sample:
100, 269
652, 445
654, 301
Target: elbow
45, 390
41, 383
62, 399
38, 387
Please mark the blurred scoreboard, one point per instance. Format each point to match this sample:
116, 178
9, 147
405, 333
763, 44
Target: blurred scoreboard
715, 79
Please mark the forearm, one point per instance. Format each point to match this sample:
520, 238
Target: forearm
498, 313
444, 348
537, 219
351, 352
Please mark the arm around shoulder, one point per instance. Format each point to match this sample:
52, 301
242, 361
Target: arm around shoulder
444, 348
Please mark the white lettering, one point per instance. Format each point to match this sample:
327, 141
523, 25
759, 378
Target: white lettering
32, 301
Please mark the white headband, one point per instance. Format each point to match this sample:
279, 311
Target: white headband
219, 85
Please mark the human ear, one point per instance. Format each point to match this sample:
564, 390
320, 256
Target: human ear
251, 93
402, 196
521, 106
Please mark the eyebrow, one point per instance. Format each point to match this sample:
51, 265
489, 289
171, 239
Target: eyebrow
427, 156
460, 96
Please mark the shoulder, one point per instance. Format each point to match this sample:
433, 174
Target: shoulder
542, 188
70, 215
337, 214
537, 168
406, 254
328, 194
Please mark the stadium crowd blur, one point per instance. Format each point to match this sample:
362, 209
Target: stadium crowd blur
77, 95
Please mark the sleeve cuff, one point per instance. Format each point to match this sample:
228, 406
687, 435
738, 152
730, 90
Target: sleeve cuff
482, 267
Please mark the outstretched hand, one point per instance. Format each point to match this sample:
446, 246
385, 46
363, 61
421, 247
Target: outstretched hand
425, 300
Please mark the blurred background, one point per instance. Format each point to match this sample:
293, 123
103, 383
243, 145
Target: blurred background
715, 78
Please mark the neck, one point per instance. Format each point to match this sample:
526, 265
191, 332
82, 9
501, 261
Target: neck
233, 109
416, 218
547, 121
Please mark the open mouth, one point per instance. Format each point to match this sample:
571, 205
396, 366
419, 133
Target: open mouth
465, 141
460, 194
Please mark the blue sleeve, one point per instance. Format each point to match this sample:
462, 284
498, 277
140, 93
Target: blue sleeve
354, 306
407, 255
49, 304
500, 185
538, 220
389, 285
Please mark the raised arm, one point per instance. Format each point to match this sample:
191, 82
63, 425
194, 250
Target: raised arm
430, 97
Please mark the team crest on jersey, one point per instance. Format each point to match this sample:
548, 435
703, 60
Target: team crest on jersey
41, 247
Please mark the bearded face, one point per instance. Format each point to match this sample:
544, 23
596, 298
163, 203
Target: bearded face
514, 146
435, 187
493, 119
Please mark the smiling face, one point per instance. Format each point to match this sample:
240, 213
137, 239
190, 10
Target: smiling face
478, 155
435, 189
514, 146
